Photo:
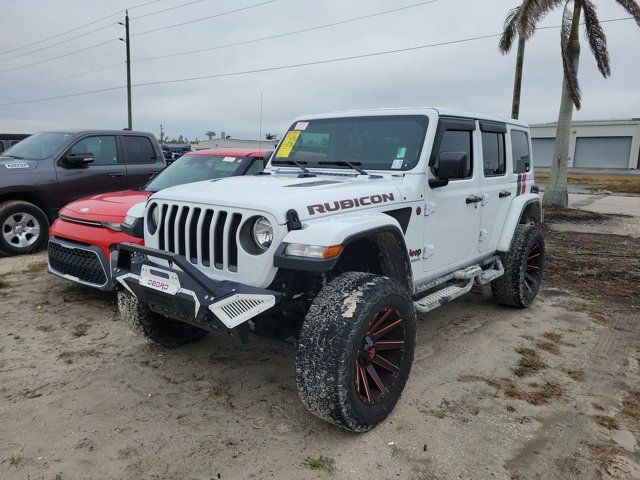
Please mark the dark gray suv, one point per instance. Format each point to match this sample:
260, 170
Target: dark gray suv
46, 171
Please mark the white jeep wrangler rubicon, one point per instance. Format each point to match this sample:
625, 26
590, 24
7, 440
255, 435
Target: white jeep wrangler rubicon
360, 220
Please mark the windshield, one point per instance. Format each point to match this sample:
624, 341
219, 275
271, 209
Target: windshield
377, 143
194, 168
38, 146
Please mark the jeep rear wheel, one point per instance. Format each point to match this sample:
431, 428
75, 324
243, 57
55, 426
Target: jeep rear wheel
23, 228
523, 268
355, 350
155, 327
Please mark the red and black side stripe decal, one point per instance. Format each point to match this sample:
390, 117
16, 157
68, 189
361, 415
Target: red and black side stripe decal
522, 184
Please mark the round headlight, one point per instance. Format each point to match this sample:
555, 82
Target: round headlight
154, 218
262, 233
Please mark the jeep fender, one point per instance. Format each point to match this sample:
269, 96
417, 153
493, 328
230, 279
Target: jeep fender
524, 209
346, 230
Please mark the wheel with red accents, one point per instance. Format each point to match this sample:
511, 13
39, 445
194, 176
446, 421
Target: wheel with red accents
356, 349
523, 268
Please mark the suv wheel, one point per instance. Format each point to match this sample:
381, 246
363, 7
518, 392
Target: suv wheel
155, 327
23, 228
355, 350
523, 268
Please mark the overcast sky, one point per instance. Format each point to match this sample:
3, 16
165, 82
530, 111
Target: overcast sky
470, 76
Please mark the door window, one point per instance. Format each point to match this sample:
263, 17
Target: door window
493, 154
103, 148
457, 141
520, 151
139, 150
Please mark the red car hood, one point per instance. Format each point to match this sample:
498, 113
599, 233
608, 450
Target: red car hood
105, 207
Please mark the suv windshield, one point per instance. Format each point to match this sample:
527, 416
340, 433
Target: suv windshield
194, 168
38, 146
378, 143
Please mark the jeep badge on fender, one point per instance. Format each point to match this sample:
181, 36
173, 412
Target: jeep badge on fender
360, 221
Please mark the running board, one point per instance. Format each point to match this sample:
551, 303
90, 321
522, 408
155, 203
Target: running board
468, 275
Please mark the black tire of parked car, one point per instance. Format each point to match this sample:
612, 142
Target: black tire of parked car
523, 268
24, 228
155, 327
340, 374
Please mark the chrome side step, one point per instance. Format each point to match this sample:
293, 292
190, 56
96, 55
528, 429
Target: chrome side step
466, 279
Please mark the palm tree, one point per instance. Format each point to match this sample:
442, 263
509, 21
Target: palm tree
510, 31
524, 21
270, 136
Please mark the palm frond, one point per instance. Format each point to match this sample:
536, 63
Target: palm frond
509, 31
531, 12
568, 63
632, 7
597, 38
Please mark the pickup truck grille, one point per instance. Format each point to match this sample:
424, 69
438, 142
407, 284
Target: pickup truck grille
204, 236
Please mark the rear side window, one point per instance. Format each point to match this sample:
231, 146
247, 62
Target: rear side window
139, 150
457, 141
493, 154
520, 151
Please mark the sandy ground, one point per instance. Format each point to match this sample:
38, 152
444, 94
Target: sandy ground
81, 397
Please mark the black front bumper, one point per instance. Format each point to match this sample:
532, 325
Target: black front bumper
198, 300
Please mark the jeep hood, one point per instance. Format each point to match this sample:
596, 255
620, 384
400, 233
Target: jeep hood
105, 207
311, 197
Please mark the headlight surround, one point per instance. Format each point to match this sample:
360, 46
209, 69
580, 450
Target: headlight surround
262, 233
153, 217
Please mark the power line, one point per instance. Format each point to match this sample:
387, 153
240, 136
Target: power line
167, 9
59, 56
280, 35
204, 18
79, 27
286, 67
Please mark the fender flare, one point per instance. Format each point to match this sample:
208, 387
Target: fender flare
518, 207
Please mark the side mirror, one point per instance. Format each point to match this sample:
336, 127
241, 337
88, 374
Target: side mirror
78, 159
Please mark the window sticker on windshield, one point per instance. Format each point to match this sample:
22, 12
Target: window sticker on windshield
287, 144
301, 125
397, 163
402, 151
229, 159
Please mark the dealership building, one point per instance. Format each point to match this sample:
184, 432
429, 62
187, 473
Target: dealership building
593, 144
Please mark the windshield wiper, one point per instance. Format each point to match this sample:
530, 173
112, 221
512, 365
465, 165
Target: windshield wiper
13, 156
353, 165
300, 165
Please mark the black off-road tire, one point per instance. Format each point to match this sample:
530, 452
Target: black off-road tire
331, 341
17, 208
155, 327
514, 288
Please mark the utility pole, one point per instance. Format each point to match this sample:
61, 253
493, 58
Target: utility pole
126, 40
161, 135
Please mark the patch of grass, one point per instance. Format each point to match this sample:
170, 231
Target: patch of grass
548, 347
3, 283
17, 337
59, 476
538, 395
44, 328
557, 338
606, 421
604, 455
510, 408
69, 356
81, 329
612, 183
324, 464
631, 407
575, 374
530, 362
15, 461
597, 406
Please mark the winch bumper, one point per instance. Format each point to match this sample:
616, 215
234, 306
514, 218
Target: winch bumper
182, 292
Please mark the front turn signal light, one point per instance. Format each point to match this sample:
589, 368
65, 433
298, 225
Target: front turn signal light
313, 251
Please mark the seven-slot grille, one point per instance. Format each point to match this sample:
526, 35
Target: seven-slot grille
204, 236
77, 262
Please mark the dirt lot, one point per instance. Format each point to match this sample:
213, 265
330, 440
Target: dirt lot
597, 181
552, 392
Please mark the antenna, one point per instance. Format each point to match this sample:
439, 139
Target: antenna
260, 143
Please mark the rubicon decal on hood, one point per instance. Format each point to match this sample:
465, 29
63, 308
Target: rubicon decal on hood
350, 203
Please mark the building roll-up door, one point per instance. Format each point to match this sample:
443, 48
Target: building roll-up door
602, 152
543, 151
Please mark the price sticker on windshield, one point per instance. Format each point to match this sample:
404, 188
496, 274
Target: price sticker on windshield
287, 144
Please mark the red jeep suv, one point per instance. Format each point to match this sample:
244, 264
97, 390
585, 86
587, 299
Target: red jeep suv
84, 237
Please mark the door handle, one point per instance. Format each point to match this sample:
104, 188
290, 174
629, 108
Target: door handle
153, 173
473, 199
116, 174
504, 193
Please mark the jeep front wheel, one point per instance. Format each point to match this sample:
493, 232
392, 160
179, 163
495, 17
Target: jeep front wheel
355, 350
523, 268
155, 327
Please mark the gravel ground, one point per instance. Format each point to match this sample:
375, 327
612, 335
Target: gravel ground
495, 393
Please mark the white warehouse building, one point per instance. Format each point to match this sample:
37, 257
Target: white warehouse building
593, 144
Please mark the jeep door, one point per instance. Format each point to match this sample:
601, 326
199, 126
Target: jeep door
496, 189
105, 174
142, 160
452, 220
